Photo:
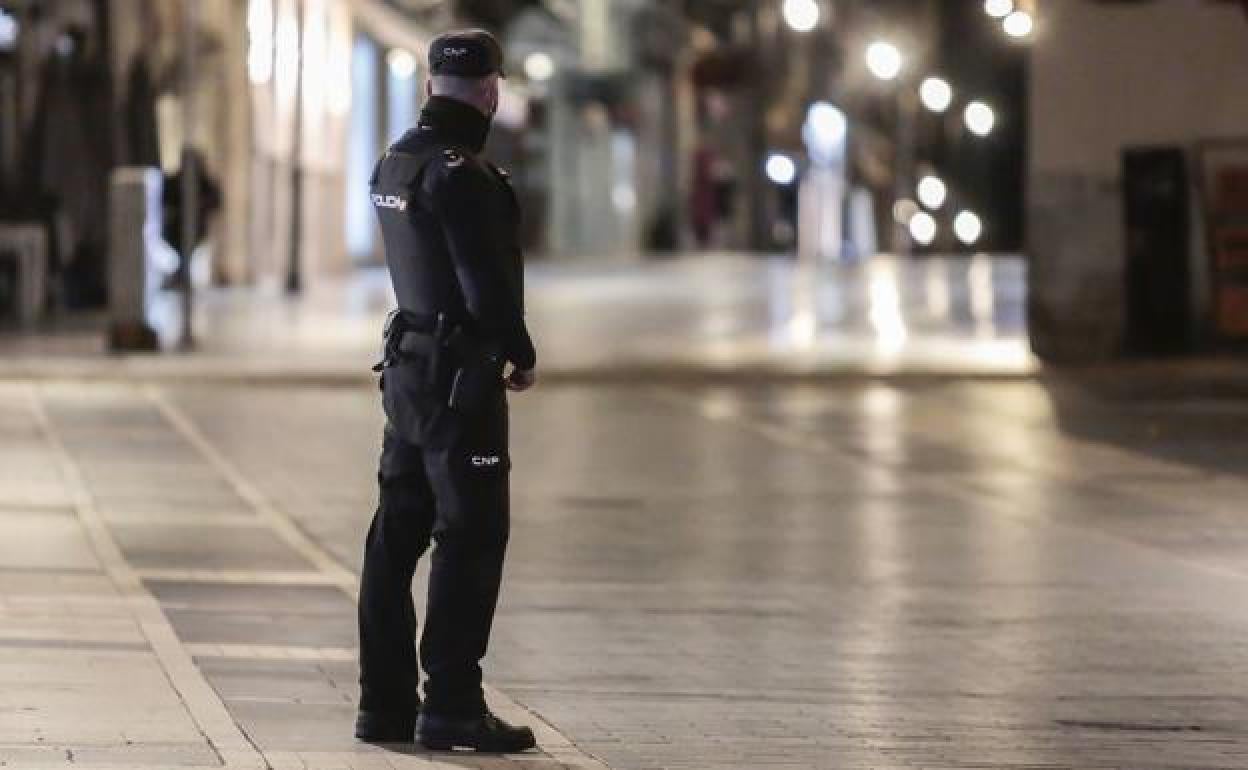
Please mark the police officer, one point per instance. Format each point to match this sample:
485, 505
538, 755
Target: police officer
449, 220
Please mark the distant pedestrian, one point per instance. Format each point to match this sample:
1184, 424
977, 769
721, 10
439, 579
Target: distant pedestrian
207, 201
450, 221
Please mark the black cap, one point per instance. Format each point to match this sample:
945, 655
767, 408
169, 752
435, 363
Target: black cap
469, 52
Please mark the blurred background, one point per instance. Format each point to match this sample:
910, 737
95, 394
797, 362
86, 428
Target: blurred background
893, 379
905, 182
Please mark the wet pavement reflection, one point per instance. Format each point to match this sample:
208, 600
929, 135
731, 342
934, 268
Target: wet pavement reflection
885, 314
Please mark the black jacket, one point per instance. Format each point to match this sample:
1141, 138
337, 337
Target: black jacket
450, 222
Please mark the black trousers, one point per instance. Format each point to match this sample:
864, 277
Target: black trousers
457, 495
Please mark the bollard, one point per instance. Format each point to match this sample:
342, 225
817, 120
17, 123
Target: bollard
134, 232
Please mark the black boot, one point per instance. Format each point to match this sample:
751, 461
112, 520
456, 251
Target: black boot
386, 726
483, 733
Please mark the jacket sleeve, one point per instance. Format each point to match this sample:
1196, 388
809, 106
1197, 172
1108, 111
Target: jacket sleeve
460, 197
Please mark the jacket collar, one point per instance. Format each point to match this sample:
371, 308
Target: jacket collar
455, 122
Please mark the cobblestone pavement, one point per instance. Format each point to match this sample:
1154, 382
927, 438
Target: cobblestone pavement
963, 575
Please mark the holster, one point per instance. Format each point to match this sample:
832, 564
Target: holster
478, 371
456, 368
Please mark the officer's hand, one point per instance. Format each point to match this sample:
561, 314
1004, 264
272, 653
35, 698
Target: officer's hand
521, 379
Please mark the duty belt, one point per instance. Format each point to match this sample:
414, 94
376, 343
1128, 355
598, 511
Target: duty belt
413, 334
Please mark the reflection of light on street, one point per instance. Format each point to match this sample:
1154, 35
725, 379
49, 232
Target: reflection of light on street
983, 300
803, 327
923, 228
979, 118
401, 62
884, 302
801, 15
260, 40
884, 60
721, 404
1018, 24
718, 322
881, 401
932, 191
539, 66
781, 169
998, 9
936, 288
803, 322
880, 409
968, 227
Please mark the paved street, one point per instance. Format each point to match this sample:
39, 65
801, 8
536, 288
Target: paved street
967, 574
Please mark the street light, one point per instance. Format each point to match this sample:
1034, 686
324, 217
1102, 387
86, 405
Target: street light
821, 197
801, 15
979, 118
936, 94
923, 228
824, 133
998, 9
401, 62
967, 227
539, 66
781, 169
932, 191
1018, 25
884, 60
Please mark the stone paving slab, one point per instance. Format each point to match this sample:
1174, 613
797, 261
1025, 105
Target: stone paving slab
129, 641
721, 577
972, 575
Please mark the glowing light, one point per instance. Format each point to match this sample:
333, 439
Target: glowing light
979, 118
824, 132
998, 9
624, 197
8, 29
781, 169
923, 228
884, 60
539, 66
801, 15
981, 290
884, 307
932, 191
401, 63
338, 96
1018, 24
286, 53
314, 54
967, 227
260, 41
936, 94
